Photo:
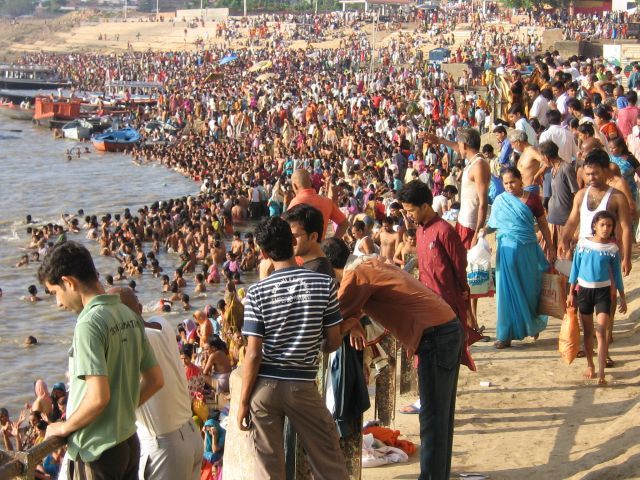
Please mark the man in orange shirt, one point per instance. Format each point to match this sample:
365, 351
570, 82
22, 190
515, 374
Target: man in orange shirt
305, 193
424, 323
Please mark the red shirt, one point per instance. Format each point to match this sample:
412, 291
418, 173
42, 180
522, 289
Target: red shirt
627, 119
442, 263
327, 207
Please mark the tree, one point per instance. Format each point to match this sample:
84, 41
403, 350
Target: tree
15, 8
533, 4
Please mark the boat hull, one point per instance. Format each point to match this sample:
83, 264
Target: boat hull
76, 133
16, 113
106, 146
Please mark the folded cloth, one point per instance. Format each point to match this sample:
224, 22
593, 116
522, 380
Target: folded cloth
390, 438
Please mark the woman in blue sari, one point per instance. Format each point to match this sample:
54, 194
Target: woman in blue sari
520, 261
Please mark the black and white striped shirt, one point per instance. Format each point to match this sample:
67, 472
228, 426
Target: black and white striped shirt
289, 310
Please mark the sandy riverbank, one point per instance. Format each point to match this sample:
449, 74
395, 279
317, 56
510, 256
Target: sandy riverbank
540, 419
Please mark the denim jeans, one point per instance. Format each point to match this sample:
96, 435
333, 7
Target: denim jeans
439, 363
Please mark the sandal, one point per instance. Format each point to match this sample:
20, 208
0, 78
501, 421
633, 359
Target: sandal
501, 344
609, 363
409, 410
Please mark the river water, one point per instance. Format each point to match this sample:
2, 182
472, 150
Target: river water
37, 179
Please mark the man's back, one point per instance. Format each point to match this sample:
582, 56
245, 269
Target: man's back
327, 207
108, 340
170, 408
289, 310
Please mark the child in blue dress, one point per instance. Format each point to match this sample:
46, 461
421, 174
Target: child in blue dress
595, 263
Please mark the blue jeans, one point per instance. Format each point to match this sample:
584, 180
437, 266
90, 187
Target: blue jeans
439, 354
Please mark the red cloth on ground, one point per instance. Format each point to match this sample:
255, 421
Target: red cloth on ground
390, 437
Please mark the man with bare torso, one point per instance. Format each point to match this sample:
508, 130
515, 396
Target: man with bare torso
388, 239
531, 162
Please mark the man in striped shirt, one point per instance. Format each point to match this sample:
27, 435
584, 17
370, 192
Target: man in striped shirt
289, 316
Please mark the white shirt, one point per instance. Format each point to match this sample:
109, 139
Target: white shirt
564, 139
170, 407
439, 202
523, 125
539, 110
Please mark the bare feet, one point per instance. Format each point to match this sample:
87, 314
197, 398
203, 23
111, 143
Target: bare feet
590, 373
602, 381
500, 344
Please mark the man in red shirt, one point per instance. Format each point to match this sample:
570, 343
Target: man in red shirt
627, 115
305, 193
442, 258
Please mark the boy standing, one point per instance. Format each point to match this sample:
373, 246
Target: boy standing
289, 316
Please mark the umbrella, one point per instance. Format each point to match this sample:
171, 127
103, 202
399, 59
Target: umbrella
260, 66
265, 76
228, 59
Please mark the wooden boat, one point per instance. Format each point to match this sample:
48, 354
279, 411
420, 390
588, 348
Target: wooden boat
116, 141
50, 112
15, 112
77, 130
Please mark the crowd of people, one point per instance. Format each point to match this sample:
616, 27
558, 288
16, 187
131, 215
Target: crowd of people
391, 165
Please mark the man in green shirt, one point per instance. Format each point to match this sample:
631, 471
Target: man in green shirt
112, 369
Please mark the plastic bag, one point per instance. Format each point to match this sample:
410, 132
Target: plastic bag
479, 275
569, 339
553, 295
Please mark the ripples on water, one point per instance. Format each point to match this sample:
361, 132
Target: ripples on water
37, 179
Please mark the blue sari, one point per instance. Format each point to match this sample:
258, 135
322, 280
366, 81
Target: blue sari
520, 263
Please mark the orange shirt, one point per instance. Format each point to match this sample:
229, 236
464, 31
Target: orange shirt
394, 299
329, 210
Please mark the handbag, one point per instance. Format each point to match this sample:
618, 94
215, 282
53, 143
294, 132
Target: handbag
553, 294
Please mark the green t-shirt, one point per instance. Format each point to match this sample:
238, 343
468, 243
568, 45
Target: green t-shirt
108, 340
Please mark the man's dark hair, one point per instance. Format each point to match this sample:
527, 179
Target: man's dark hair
360, 225
574, 104
310, 218
67, 259
632, 97
517, 109
416, 193
274, 237
451, 189
548, 149
597, 157
554, 117
500, 129
336, 251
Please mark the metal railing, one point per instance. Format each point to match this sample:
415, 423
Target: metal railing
23, 465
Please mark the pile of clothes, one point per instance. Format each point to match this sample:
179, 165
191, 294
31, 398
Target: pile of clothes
381, 446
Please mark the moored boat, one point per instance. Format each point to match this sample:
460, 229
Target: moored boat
55, 113
15, 112
77, 130
116, 141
